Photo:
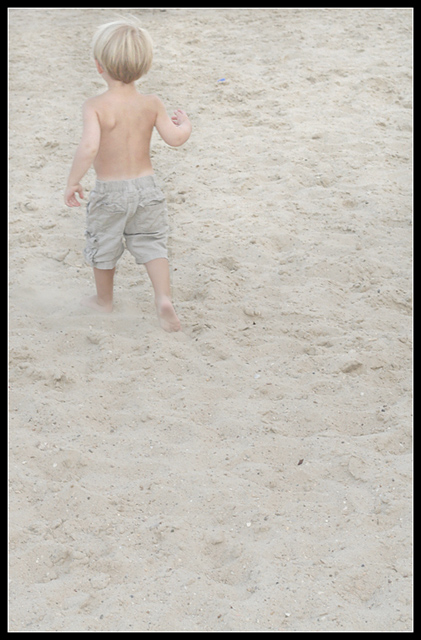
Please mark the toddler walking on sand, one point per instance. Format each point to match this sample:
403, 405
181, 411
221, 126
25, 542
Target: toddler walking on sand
126, 203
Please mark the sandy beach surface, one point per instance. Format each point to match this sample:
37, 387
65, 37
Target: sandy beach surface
253, 472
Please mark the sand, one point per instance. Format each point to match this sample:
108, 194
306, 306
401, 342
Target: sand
253, 472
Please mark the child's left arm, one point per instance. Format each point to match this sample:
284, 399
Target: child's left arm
84, 156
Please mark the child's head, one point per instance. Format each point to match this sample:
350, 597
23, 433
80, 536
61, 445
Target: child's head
123, 49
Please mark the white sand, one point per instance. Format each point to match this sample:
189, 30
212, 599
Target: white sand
155, 481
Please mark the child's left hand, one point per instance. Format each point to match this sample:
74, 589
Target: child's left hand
70, 197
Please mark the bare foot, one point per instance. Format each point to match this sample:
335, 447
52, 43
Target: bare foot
167, 316
93, 303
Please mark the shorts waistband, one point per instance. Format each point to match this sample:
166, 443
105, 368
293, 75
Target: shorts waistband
143, 182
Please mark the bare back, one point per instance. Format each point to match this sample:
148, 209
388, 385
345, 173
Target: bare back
126, 120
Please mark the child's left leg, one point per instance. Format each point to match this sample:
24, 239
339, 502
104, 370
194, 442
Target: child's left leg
159, 273
104, 281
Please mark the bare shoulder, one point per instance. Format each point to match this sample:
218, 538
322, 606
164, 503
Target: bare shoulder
94, 101
153, 100
150, 103
150, 97
150, 100
91, 107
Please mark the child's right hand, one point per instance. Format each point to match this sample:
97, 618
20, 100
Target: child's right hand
179, 117
174, 131
70, 197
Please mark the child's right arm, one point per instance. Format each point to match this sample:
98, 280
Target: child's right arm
174, 131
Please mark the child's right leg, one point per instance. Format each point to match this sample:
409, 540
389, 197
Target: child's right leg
159, 273
103, 301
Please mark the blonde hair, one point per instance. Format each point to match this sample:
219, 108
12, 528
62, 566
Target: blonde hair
123, 49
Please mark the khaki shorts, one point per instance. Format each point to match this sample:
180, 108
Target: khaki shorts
129, 213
